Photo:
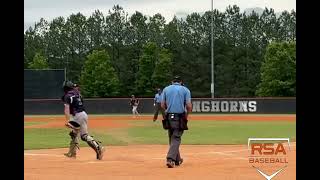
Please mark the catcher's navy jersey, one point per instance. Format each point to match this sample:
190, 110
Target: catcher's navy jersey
74, 99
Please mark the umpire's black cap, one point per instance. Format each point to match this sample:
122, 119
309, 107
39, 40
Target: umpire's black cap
176, 79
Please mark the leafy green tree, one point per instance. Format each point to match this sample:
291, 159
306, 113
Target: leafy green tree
287, 28
162, 73
115, 31
135, 38
240, 42
278, 71
57, 43
77, 44
147, 63
117, 40
155, 28
34, 41
95, 30
98, 78
39, 62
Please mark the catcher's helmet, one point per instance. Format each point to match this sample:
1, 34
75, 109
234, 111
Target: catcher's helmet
67, 86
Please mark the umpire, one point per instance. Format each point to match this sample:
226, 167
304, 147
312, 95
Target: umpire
175, 99
157, 105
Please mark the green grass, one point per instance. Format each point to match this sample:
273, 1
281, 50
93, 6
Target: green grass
58, 138
228, 132
33, 123
147, 132
216, 132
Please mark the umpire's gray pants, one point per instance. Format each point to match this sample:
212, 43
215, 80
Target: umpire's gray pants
157, 109
174, 142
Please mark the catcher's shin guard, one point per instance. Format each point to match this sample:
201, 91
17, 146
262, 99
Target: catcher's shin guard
96, 146
74, 144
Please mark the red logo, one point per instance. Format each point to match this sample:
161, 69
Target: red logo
268, 151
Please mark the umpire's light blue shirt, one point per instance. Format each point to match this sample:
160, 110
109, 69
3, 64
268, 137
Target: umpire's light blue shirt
175, 97
157, 98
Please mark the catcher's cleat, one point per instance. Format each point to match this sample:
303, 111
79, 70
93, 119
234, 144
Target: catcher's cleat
170, 164
100, 152
179, 162
70, 155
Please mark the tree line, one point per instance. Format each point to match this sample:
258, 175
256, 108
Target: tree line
118, 55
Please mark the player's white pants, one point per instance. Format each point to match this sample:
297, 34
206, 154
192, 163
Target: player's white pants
134, 110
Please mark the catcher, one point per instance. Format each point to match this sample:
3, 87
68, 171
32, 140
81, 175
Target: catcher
77, 120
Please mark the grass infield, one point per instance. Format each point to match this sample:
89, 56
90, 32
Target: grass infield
148, 132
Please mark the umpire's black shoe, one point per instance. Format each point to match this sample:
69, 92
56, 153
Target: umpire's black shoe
179, 162
170, 163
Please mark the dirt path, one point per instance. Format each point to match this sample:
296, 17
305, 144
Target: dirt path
147, 162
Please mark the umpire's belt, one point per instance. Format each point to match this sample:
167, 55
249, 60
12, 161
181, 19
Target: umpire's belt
175, 115
177, 121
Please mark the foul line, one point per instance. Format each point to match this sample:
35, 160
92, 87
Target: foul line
52, 155
225, 153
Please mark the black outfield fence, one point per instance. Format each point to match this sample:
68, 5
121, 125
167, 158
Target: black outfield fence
45, 84
200, 105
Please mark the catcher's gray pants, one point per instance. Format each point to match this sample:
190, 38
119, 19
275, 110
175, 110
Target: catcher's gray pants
158, 108
82, 119
174, 142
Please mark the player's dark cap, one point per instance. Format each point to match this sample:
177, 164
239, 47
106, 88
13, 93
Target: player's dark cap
176, 79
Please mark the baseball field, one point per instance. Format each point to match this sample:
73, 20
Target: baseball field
214, 147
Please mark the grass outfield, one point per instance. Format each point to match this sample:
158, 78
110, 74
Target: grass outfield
33, 123
147, 132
